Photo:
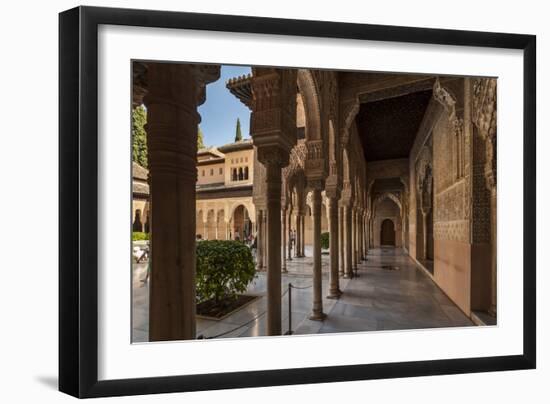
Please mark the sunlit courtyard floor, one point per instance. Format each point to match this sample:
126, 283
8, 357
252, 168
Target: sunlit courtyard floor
379, 299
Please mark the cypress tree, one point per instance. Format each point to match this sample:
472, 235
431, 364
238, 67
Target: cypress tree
200, 139
238, 134
139, 136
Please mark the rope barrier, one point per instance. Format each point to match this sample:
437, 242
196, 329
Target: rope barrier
255, 318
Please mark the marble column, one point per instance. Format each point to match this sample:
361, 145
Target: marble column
360, 239
174, 92
354, 238
265, 240
289, 234
347, 242
341, 240
334, 288
284, 243
273, 165
298, 252
303, 227
260, 241
317, 312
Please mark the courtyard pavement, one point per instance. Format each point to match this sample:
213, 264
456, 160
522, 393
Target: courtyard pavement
402, 297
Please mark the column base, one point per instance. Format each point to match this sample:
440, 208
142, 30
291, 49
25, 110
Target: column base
317, 316
334, 294
284, 271
347, 276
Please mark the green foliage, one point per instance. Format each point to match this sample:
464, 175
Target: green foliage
139, 136
224, 269
238, 134
325, 238
139, 235
200, 139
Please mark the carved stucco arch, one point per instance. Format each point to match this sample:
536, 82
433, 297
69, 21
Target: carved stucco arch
349, 112
249, 206
391, 196
312, 106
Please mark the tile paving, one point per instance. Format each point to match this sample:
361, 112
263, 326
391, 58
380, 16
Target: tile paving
379, 299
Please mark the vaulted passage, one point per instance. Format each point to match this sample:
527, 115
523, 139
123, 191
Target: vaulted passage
374, 194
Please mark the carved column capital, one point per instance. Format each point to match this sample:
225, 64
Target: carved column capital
273, 156
273, 119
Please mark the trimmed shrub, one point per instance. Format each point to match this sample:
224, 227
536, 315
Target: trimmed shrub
325, 240
139, 235
224, 269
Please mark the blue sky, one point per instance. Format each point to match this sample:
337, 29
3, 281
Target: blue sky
220, 111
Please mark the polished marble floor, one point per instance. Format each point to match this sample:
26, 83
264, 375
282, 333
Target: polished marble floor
390, 293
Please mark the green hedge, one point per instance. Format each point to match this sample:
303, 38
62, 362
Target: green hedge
325, 241
224, 269
139, 235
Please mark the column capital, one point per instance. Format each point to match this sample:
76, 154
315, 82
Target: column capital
316, 184
273, 119
315, 163
273, 155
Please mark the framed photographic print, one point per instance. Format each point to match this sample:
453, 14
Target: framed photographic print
251, 202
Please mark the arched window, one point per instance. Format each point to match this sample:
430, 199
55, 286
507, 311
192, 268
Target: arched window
240, 173
234, 174
246, 173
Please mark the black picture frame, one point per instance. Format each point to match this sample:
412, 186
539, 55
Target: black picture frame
78, 192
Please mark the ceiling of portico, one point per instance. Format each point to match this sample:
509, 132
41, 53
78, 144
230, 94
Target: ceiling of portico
387, 128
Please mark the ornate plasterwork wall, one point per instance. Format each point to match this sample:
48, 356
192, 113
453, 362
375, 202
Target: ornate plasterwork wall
451, 165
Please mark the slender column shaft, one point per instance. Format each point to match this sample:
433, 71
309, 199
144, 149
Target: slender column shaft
273, 188
284, 235
341, 239
347, 242
303, 245
354, 238
265, 239
317, 312
334, 289
260, 240
172, 144
298, 236
290, 237
360, 230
